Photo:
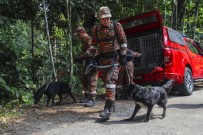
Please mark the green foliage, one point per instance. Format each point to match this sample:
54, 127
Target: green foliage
24, 55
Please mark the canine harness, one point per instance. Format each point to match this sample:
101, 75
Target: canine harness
46, 87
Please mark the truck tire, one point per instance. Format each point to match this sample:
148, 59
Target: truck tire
186, 89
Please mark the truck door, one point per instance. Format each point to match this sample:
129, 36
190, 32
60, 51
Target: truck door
196, 59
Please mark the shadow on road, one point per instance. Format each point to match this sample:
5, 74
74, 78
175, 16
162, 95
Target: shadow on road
175, 94
197, 87
136, 120
185, 106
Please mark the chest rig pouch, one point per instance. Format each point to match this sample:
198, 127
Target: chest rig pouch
111, 57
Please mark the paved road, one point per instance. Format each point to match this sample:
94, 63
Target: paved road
184, 117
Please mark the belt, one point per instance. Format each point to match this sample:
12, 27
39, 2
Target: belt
109, 54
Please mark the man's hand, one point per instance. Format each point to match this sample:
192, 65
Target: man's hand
137, 54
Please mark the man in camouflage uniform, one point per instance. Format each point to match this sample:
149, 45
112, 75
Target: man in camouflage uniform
126, 73
108, 38
89, 81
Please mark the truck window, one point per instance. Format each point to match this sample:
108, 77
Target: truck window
192, 48
175, 36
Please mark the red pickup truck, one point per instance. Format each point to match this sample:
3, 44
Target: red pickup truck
166, 53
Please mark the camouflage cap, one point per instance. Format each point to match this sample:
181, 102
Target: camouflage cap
104, 12
80, 30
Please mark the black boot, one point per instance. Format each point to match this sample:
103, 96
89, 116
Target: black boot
108, 108
89, 103
85, 99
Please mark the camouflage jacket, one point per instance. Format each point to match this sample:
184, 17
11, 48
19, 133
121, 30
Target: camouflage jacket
108, 39
86, 43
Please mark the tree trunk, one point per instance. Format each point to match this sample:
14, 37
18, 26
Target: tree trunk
69, 35
48, 38
33, 45
196, 16
181, 12
32, 50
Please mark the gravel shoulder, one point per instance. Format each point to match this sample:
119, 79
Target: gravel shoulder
184, 116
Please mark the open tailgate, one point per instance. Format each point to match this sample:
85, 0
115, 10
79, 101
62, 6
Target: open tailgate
142, 22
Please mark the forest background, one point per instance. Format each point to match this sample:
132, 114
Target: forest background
37, 44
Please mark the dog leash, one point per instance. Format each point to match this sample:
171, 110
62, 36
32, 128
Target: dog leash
90, 66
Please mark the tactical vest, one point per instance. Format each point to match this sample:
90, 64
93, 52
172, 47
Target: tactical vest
106, 38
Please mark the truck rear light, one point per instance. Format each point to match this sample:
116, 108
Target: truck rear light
167, 57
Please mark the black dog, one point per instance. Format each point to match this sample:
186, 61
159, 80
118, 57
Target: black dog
51, 90
149, 96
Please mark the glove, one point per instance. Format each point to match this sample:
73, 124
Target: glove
90, 60
123, 60
129, 56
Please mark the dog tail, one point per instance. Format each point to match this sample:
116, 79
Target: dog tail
168, 85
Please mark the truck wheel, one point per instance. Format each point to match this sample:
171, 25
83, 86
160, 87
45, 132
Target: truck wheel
187, 87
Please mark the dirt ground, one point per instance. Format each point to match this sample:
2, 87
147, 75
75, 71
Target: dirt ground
184, 116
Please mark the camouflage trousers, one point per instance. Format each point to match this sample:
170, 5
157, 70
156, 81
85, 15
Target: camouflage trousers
125, 77
89, 83
109, 77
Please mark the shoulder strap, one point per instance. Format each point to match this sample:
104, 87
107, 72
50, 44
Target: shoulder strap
115, 32
97, 39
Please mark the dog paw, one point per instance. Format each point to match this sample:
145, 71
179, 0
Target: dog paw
163, 116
